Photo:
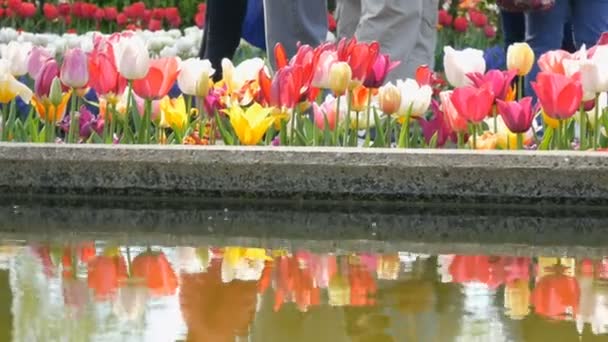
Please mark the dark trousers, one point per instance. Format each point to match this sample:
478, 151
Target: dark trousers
222, 31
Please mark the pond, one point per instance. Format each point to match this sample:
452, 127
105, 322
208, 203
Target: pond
74, 269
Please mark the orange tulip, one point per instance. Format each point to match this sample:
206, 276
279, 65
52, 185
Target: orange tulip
555, 295
47, 110
159, 79
105, 273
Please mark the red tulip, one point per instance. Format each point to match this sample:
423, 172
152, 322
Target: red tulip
99, 14
559, 95
77, 9
489, 31
103, 74
456, 122
286, 86
89, 10
155, 25
517, 116
199, 19
14, 4
360, 57
110, 13
380, 68
50, 11
444, 18
2, 12
175, 22
136, 10
156, 271
473, 104
122, 19
64, 9
27, 10
159, 80
461, 24
478, 18
280, 56
158, 13
499, 82
171, 13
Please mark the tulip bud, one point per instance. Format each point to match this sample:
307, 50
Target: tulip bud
390, 99
56, 94
340, 76
520, 57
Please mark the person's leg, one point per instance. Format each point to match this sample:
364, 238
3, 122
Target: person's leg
396, 25
222, 32
589, 21
568, 43
513, 27
291, 21
545, 32
348, 13
426, 44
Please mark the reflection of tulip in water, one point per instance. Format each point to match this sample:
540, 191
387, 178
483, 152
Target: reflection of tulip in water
130, 302
388, 267
556, 295
156, 271
339, 291
517, 299
105, 273
481, 268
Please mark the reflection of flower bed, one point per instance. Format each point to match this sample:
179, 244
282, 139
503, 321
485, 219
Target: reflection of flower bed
220, 287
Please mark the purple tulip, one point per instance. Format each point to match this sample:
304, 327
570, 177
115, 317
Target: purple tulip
381, 67
516, 115
74, 70
88, 123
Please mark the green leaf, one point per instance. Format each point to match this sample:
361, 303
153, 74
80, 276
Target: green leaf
547, 137
226, 135
380, 140
433, 141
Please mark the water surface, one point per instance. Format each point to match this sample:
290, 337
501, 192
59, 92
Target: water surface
226, 271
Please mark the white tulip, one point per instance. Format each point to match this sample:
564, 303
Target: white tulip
132, 57
193, 72
16, 54
458, 64
236, 77
168, 51
594, 72
414, 96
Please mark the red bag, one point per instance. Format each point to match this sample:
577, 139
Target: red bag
525, 5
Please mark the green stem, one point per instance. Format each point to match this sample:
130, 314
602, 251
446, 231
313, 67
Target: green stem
5, 124
495, 116
560, 135
389, 131
292, 133
460, 140
520, 141
143, 135
347, 131
582, 127
520, 87
367, 118
596, 131
474, 131
336, 122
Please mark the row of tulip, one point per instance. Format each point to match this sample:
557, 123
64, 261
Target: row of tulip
334, 94
82, 16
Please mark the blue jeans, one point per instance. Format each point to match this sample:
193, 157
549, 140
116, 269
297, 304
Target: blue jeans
545, 29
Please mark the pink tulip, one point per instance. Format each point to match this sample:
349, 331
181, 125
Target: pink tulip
379, 70
438, 125
552, 61
499, 82
74, 70
456, 122
321, 76
35, 61
516, 115
44, 79
326, 110
472, 103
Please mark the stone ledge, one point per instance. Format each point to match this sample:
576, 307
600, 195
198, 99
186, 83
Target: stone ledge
311, 173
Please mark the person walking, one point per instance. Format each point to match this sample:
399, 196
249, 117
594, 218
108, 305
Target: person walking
405, 29
288, 22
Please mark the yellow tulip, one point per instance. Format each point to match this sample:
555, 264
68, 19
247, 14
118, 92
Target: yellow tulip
250, 125
517, 299
48, 111
11, 88
340, 76
520, 58
486, 141
173, 113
